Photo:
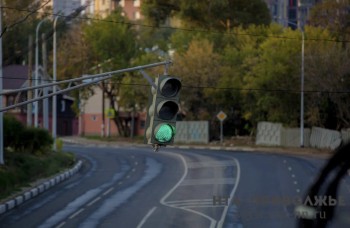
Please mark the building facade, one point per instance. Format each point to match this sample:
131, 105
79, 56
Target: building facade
291, 13
16, 77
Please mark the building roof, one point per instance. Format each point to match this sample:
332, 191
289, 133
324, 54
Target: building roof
14, 76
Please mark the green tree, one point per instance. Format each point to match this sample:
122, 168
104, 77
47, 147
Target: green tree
112, 46
218, 14
197, 67
17, 25
332, 15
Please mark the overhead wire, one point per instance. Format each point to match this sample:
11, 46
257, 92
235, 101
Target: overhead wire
184, 29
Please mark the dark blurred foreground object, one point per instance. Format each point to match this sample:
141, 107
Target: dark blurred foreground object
319, 204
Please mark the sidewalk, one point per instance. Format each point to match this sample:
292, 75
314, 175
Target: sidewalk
229, 147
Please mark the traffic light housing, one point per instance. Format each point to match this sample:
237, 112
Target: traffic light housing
162, 111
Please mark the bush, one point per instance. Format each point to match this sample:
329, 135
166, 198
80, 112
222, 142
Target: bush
24, 139
21, 169
35, 140
12, 131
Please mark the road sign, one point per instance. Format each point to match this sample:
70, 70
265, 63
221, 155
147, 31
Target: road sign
221, 116
110, 113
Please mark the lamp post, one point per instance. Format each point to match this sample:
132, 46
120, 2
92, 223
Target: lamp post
54, 98
301, 81
36, 105
1, 114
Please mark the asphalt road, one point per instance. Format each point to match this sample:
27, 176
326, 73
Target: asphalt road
136, 187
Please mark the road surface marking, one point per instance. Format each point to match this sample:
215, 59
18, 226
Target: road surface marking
208, 181
120, 183
289, 168
133, 170
162, 201
298, 190
61, 225
108, 191
143, 221
136, 163
284, 161
293, 176
76, 213
194, 165
221, 221
94, 201
193, 203
295, 182
128, 176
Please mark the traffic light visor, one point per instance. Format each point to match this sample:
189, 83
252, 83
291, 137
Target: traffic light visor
164, 133
170, 87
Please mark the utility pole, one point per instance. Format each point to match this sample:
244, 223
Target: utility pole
30, 92
1, 114
45, 90
103, 111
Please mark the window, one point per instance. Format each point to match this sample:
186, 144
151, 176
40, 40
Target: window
137, 3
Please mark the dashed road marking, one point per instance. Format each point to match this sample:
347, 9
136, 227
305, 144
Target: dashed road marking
76, 213
295, 182
136, 163
128, 176
94, 201
289, 168
120, 183
298, 190
61, 225
108, 191
293, 176
284, 161
133, 170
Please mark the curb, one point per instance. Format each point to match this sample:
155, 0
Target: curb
20, 199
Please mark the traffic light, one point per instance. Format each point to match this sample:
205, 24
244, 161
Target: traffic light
162, 111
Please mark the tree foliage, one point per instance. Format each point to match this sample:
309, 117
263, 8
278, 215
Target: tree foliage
217, 14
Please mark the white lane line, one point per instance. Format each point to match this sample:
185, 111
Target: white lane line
293, 176
298, 190
284, 161
94, 201
196, 165
143, 221
133, 170
120, 183
128, 176
61, 225
221, 221
190, 200
76, 213
209, 181
136, 163
108, 191
162, 201
289, 168
295, 182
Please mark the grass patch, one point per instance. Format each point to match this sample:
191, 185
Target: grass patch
21, 169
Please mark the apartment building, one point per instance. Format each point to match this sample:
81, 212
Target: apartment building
64, 7
292, 13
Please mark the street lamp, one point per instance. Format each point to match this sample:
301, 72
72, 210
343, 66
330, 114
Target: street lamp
54, 98
37, 72
301, 82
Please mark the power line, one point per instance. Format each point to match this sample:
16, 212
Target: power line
23, 19
186, 29
214, 88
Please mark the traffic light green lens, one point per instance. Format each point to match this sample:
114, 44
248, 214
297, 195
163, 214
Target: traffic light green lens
164, 133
